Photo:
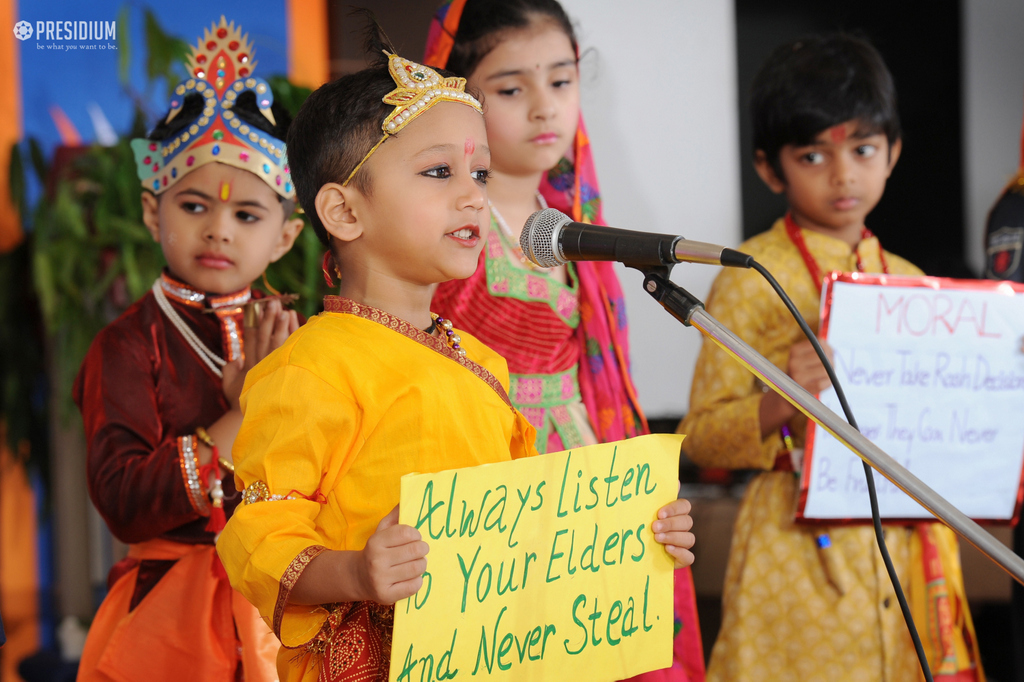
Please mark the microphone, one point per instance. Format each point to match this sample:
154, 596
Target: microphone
550, 238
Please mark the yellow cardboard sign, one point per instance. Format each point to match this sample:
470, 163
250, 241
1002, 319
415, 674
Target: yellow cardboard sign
541, 568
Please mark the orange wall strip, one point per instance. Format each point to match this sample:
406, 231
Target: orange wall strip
10, 122
19, 576
309, 54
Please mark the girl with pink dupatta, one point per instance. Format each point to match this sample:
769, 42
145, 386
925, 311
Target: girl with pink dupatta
562, 330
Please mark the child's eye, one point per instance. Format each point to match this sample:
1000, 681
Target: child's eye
562, 83
192, 207
867, 150
442, 172
509, 92
246, 217
482, 175
813, 158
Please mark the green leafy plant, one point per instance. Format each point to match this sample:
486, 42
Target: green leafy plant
23, 412
91, 254
165, 58
23, 407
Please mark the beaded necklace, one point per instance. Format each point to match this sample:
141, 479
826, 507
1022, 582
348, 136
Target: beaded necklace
211, 359
797, 237
453, 339
516, 249
196, 299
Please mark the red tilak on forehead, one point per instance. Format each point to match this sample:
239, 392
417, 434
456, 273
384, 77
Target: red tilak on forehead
470, 146
837, 133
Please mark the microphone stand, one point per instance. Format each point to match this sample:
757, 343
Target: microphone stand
690, 311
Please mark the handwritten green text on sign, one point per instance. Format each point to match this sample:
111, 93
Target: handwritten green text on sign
541, 568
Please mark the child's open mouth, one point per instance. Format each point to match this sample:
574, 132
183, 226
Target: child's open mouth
468, 235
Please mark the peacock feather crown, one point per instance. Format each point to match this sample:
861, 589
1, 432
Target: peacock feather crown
220, 68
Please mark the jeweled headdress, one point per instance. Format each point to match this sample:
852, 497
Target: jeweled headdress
419, 88
220, 67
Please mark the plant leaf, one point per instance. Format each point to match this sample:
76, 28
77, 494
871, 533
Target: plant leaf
165, 51
42, 169
16, 180
45, 289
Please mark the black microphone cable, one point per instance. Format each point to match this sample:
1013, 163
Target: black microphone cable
872, 495
540, 241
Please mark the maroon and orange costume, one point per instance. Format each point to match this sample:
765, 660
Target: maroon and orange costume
143, 392
150, 384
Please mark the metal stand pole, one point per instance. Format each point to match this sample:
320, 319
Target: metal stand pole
690, 311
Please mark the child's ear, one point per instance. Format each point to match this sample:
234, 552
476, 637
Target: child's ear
334, 207
151, 214
894, 155
289, 233
767, 173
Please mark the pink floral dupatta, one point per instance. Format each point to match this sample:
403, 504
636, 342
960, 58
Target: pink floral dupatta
571, 187
605, 384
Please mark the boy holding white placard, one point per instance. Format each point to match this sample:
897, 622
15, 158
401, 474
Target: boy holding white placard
811, 602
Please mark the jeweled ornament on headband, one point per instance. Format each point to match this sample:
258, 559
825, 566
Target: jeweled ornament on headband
220, 67
419, 88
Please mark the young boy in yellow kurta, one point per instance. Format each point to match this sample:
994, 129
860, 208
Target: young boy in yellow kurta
377, 386
804, 603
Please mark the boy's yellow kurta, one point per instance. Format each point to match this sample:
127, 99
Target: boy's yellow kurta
792, 611
333, 419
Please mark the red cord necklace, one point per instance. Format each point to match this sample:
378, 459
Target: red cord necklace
797, 237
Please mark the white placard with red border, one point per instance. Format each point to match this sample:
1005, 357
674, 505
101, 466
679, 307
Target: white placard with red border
934, 372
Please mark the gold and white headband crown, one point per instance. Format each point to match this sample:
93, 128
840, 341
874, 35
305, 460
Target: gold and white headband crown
419, 88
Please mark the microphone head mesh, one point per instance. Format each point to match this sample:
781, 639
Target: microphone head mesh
539, 239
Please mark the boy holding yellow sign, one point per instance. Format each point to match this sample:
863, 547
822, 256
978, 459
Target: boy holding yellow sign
391, 164
827, 135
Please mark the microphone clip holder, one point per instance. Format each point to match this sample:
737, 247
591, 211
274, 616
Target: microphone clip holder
679, 302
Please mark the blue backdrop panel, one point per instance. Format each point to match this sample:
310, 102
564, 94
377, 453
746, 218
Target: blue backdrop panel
53, 73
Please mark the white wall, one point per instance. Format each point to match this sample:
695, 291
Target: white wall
993, 95
659, 93
659, 96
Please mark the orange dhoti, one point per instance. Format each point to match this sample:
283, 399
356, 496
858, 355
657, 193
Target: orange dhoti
190, 625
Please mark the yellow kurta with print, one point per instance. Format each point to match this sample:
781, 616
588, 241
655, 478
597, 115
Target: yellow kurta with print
333, 419
792, 611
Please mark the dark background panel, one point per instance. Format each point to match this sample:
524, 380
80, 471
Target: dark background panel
921, 215
404, 21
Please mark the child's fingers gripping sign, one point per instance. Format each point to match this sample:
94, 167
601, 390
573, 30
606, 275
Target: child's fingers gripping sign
672, 529
805, 367
394, 560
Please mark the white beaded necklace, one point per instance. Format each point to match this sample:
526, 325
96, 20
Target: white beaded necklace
212, 360
516, 249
